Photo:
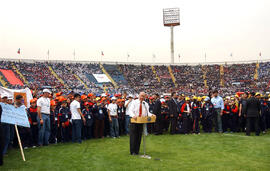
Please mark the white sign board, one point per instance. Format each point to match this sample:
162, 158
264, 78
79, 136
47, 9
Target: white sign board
101, 78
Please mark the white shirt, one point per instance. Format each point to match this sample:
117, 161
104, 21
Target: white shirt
217, 102
74, 106
113, 109
135, 108
128, 107
44, 104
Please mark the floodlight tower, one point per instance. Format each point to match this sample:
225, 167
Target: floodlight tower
170, 19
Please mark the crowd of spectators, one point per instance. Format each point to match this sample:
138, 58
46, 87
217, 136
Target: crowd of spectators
189, 79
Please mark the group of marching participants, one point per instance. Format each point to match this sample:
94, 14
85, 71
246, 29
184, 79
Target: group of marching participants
75, 117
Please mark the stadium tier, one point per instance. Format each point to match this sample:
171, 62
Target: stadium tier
133, 78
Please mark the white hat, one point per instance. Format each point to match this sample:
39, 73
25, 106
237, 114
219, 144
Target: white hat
206, 99
4, 95
46, 91
130, 95
114, 98
103, 95
10, 98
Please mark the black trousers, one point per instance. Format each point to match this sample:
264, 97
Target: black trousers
253, 121
158, 125
1, 145
173, 125
135, 137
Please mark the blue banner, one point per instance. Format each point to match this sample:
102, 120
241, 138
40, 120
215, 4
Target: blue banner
13, 115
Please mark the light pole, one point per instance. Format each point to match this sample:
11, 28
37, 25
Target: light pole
170, 19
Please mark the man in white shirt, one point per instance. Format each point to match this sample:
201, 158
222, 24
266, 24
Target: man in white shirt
138, 108
76, 117
113, 117
127, 117
43, 110
218, 103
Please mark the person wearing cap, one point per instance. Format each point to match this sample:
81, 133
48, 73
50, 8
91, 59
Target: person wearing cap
43, 110
185, 114
121, 112
32, 111
54, 122
5, 128
77, 118
218, 103
89, 117
112, 112
253, 113
99, 112
138, 108
208, 112
151, 103
174, 111
195, 111
127, 117
64, 120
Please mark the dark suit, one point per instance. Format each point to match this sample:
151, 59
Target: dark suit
157, 112
173, 113
253, 112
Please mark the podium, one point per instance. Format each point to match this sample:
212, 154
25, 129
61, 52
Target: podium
144, 120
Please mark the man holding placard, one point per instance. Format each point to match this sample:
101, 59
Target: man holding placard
43, 110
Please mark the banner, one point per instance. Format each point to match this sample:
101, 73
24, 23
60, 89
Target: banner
26, 93
101, 78
13, 115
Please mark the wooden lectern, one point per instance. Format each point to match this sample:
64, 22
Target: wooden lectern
144, 120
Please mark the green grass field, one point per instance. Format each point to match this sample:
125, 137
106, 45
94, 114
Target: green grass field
169, 152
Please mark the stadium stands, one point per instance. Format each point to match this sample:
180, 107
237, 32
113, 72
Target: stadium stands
132, 78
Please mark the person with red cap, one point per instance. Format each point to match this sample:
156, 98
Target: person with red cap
53, 122
87, 131
32, 111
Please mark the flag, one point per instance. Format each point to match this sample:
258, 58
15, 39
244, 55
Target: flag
260, 54
102, 53
19, 51
231, 54
179, 56
128, 55
74, 52
48, 52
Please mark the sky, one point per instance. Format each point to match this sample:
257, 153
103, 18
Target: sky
221, 30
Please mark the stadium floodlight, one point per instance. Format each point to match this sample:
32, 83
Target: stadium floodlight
170, 19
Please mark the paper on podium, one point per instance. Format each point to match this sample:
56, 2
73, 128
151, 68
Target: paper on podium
144, 119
